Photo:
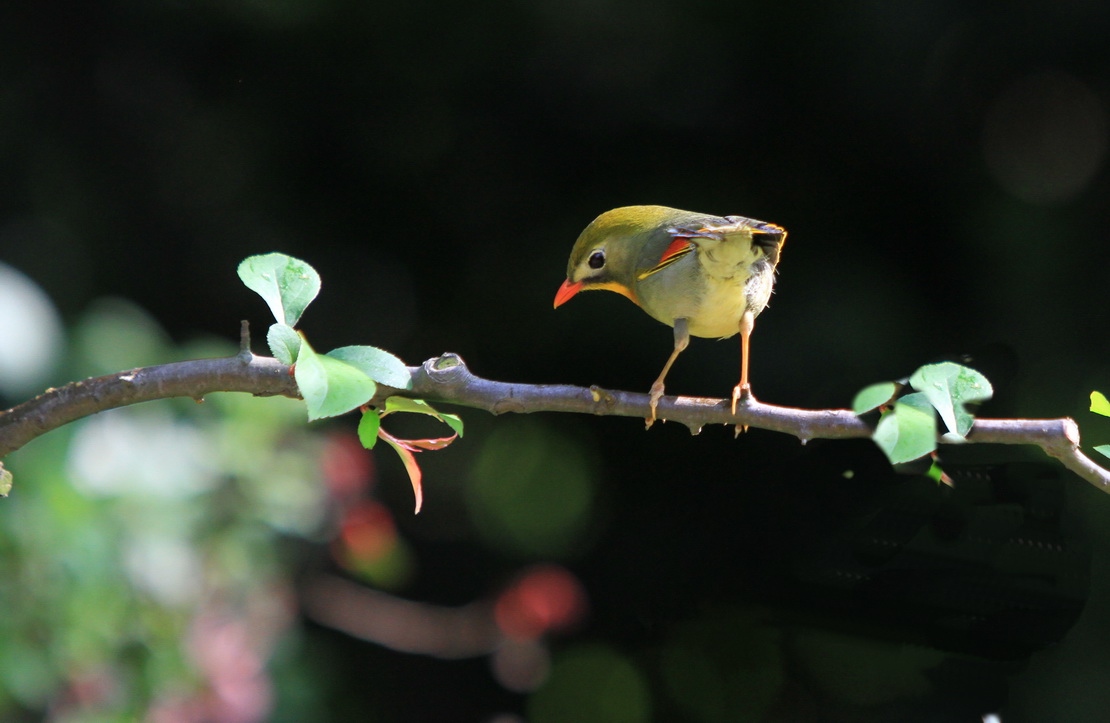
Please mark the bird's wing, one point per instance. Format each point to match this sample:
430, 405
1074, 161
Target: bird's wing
768, 236
678, 248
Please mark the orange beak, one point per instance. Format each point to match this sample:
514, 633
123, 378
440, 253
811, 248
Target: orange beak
566, 291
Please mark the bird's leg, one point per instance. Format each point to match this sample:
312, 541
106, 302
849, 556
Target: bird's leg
743, 390
681, 341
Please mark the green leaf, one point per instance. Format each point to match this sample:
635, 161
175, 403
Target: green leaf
909, 430
5, 481
938, 475
381, 366
284, 343
1099, 404
288, 285
419, 406
330, 387
1103, 449
368, 428
948, 387
453, 421
414, 406
874, 396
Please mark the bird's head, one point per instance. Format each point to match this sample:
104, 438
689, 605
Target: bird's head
606, 254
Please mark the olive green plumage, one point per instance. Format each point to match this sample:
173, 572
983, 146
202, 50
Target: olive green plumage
705, 275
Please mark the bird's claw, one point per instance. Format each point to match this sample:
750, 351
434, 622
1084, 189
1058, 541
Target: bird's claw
741, 392
655, 395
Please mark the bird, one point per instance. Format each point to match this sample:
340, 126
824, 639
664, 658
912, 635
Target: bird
704, 275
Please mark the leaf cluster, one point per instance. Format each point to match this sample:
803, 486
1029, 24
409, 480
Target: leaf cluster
909, 409
342, 379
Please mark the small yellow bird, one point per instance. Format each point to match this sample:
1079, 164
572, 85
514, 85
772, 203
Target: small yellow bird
705, 275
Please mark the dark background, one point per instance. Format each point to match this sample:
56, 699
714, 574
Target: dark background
940, 168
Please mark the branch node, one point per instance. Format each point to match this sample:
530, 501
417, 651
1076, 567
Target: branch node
447, 362
507, 405
245, 354
603, 399
1071, 431
446, 368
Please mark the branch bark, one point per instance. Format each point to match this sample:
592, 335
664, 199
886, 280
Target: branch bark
447, 379
261, 376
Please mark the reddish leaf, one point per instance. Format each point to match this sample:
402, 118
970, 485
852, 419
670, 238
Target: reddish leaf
432, 444
407, 456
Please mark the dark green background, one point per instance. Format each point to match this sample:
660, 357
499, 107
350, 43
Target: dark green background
435, 162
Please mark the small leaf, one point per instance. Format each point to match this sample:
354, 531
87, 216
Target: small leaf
288, 285
1103, 449
419, 406
379, 365
416, 406
1099, 404
330, 387
429, 444
874, 396
409, 459
949, 387
454, 422
284, 343
368, 428
938, 475
5, 481
908, 431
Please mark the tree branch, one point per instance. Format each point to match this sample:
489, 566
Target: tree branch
447, 379
261, 376
409, 627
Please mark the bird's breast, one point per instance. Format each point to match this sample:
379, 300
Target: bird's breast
712, 306
721, 305
711, 289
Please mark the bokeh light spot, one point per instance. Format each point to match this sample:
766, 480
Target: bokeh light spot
531, 490
547, 598
724, 667
1044, 138
591, 683
30, 334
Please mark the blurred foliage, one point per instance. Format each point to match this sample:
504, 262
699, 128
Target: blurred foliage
145, 575
532, 491
592, 684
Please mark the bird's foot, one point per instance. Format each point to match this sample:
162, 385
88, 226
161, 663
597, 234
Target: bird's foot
655, 395
741, 393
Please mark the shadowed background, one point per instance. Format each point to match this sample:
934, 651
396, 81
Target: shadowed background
940, 168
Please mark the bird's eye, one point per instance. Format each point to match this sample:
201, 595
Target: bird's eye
597, 259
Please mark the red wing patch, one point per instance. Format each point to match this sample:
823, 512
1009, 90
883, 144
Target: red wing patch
679, 246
